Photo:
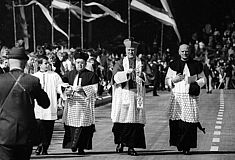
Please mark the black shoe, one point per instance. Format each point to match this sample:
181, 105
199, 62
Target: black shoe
44, 150
155, 95
74, 149
38, 150
44, 153
179, 149
132, 152
81, 152
119, 148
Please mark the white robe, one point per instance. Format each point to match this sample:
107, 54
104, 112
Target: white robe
124, 100
51, 83
183, 106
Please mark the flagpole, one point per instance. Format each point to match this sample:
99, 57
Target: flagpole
34, 35
52, 29
129, 19
162, 39
69, 21
81, 24
14, 20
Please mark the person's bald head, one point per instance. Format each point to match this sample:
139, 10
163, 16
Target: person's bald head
184, 52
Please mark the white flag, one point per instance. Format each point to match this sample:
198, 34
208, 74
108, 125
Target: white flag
60, 4
162, 16
46, 14
107, 11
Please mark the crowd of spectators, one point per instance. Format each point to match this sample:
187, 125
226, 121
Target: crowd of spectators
212, 45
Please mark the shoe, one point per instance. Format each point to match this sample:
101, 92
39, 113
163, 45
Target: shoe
132, 152
44, 150
119, 148
74, 149
44, 153
38, 150
81, 152
179, 149
155, 95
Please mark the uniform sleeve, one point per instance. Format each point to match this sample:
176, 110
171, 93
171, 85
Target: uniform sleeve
41, 96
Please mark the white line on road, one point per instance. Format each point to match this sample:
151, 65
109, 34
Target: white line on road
219, 122
217, 132
218, 127
214, 148
221, 113
219, 118
216, 140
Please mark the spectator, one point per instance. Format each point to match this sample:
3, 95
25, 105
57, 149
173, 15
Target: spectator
17, 119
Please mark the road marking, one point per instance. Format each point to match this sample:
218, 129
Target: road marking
216, 140
219, 118
217, 132
218, 122
221, 113
214, 148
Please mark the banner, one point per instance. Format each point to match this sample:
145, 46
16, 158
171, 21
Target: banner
88, 16
162, 16
47, 15
167, 8
60, 4
107, 11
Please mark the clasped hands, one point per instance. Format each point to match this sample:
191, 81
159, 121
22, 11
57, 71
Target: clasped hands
69, 90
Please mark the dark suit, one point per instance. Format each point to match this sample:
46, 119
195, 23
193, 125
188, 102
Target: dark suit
17, 119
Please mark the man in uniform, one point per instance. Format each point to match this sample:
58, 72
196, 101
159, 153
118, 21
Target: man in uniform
17, 119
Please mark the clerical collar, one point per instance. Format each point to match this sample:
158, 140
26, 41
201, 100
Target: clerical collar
43, 71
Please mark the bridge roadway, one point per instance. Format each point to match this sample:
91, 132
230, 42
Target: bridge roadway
217, 115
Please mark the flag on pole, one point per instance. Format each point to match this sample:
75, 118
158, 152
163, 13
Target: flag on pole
61, 4
161, 15
88, 16
167, 9
46, 14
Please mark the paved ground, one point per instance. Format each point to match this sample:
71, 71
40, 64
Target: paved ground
216, 113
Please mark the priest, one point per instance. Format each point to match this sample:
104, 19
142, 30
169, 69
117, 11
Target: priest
128, 110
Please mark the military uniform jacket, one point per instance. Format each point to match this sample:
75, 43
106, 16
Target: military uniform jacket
17, 119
